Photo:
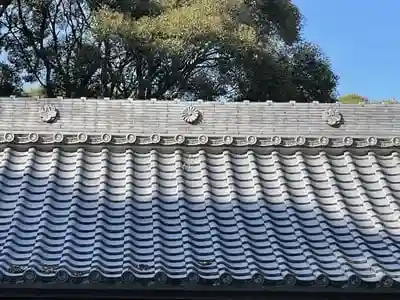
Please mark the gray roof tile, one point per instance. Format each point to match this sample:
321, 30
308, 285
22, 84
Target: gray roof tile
164, 117
211, 214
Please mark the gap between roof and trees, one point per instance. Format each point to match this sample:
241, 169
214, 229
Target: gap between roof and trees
208, 49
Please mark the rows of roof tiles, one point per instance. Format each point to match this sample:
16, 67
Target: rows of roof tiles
205, 214
165, 117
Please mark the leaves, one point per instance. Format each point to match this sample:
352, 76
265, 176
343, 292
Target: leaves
352, 99
209, 49
178, 26
10, 83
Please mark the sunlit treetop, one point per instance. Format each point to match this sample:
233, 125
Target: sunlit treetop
174, 25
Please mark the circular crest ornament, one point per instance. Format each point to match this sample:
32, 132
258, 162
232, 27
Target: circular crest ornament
106, 138
33, 137
191, 114
322, 280
228, 139
258, 279
354, 281
48, 113
290, 279
324, 141
276, 140
372, 141
396, 141
226, 278
203, 139
128, 277
9, 137
387, 281
131, 138
251, 140
30, 275
348, 141
58, 137
62, 276
95, 276
300, 140
180, 139
82, 137
193, 278
332, 117
155, 138
161, 277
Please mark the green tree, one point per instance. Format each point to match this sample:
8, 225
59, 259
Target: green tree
10, 83
232, 49
229, 48
352, 99
47, 41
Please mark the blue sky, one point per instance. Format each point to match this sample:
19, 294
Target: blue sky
362, 40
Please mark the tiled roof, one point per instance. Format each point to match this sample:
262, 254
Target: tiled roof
200, 216
165, 118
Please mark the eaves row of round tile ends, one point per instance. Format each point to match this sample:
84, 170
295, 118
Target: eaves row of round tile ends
67, 138
128, 277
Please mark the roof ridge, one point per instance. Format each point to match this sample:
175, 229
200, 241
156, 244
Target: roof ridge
200, 101
168, 118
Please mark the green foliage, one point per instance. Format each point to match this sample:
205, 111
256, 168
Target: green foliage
10, 83
352, 99
210, 49
356, 99
182, 24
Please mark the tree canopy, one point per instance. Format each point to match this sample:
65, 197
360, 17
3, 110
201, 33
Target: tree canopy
352, 99
356, 99
10, 83
209, 49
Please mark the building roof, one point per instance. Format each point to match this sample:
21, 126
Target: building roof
96, 121
71, 212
